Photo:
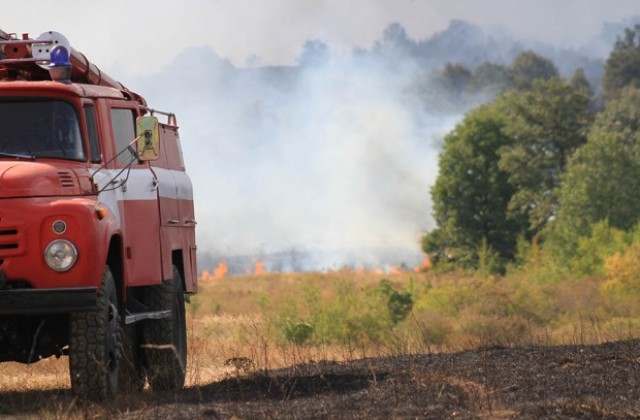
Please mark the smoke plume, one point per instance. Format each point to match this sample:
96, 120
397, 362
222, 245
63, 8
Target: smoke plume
316, 166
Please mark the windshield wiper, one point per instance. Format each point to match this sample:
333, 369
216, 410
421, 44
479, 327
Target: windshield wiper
17, 155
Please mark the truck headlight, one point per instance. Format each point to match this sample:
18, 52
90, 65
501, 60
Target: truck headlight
60, 255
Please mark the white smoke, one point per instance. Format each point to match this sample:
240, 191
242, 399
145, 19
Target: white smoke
332, 158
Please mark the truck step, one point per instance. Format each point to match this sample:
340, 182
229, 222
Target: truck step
141, 316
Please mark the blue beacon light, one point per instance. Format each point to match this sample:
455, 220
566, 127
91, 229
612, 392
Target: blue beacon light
59, 64
59, 56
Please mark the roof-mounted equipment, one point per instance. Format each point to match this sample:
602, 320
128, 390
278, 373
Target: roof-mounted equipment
31, 56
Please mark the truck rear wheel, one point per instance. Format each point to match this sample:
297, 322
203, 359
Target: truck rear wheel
94, 345
166, 338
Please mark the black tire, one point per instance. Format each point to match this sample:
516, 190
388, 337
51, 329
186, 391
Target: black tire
95, 345
131, 377
166, 339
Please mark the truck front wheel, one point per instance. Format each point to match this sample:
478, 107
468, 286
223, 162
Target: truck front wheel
131, 376
95, 344
166, 339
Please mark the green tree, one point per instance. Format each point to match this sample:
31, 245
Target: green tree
579, 83
623, 64
545, 125
454, 79
601, 183
444, 91
603, 178
621, 116
490, 77
471, 193
528, 67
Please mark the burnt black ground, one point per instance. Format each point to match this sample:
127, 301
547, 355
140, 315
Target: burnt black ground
554, 382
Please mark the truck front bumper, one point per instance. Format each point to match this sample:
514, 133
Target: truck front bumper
47, 301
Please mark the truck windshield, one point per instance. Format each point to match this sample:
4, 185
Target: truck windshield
39, 129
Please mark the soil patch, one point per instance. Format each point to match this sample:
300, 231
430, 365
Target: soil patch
555, 382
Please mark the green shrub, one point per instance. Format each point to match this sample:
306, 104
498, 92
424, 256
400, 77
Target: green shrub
592, 250
489, 261
399, 304
432, 328
298, 332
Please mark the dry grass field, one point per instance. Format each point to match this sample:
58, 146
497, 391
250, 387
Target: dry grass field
347, 344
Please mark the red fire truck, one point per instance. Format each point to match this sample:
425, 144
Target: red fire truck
97, 227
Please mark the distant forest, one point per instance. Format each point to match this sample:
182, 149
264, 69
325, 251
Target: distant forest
463, 65
552, 161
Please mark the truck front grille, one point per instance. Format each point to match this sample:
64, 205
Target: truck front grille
9, 241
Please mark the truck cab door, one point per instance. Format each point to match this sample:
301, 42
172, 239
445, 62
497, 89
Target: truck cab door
140, 216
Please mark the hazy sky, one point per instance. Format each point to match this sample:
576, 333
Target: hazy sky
133, 37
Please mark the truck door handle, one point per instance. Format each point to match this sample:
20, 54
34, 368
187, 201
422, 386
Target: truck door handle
155, 184
190, 222
120, 182
173, 222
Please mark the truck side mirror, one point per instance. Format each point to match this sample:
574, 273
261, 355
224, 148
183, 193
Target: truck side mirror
147, 138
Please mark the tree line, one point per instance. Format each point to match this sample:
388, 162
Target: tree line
544, 162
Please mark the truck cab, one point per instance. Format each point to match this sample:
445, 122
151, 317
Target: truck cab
97, 225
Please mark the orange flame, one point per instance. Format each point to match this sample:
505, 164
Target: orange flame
259, 268
426, 264
206, 276
220, 271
